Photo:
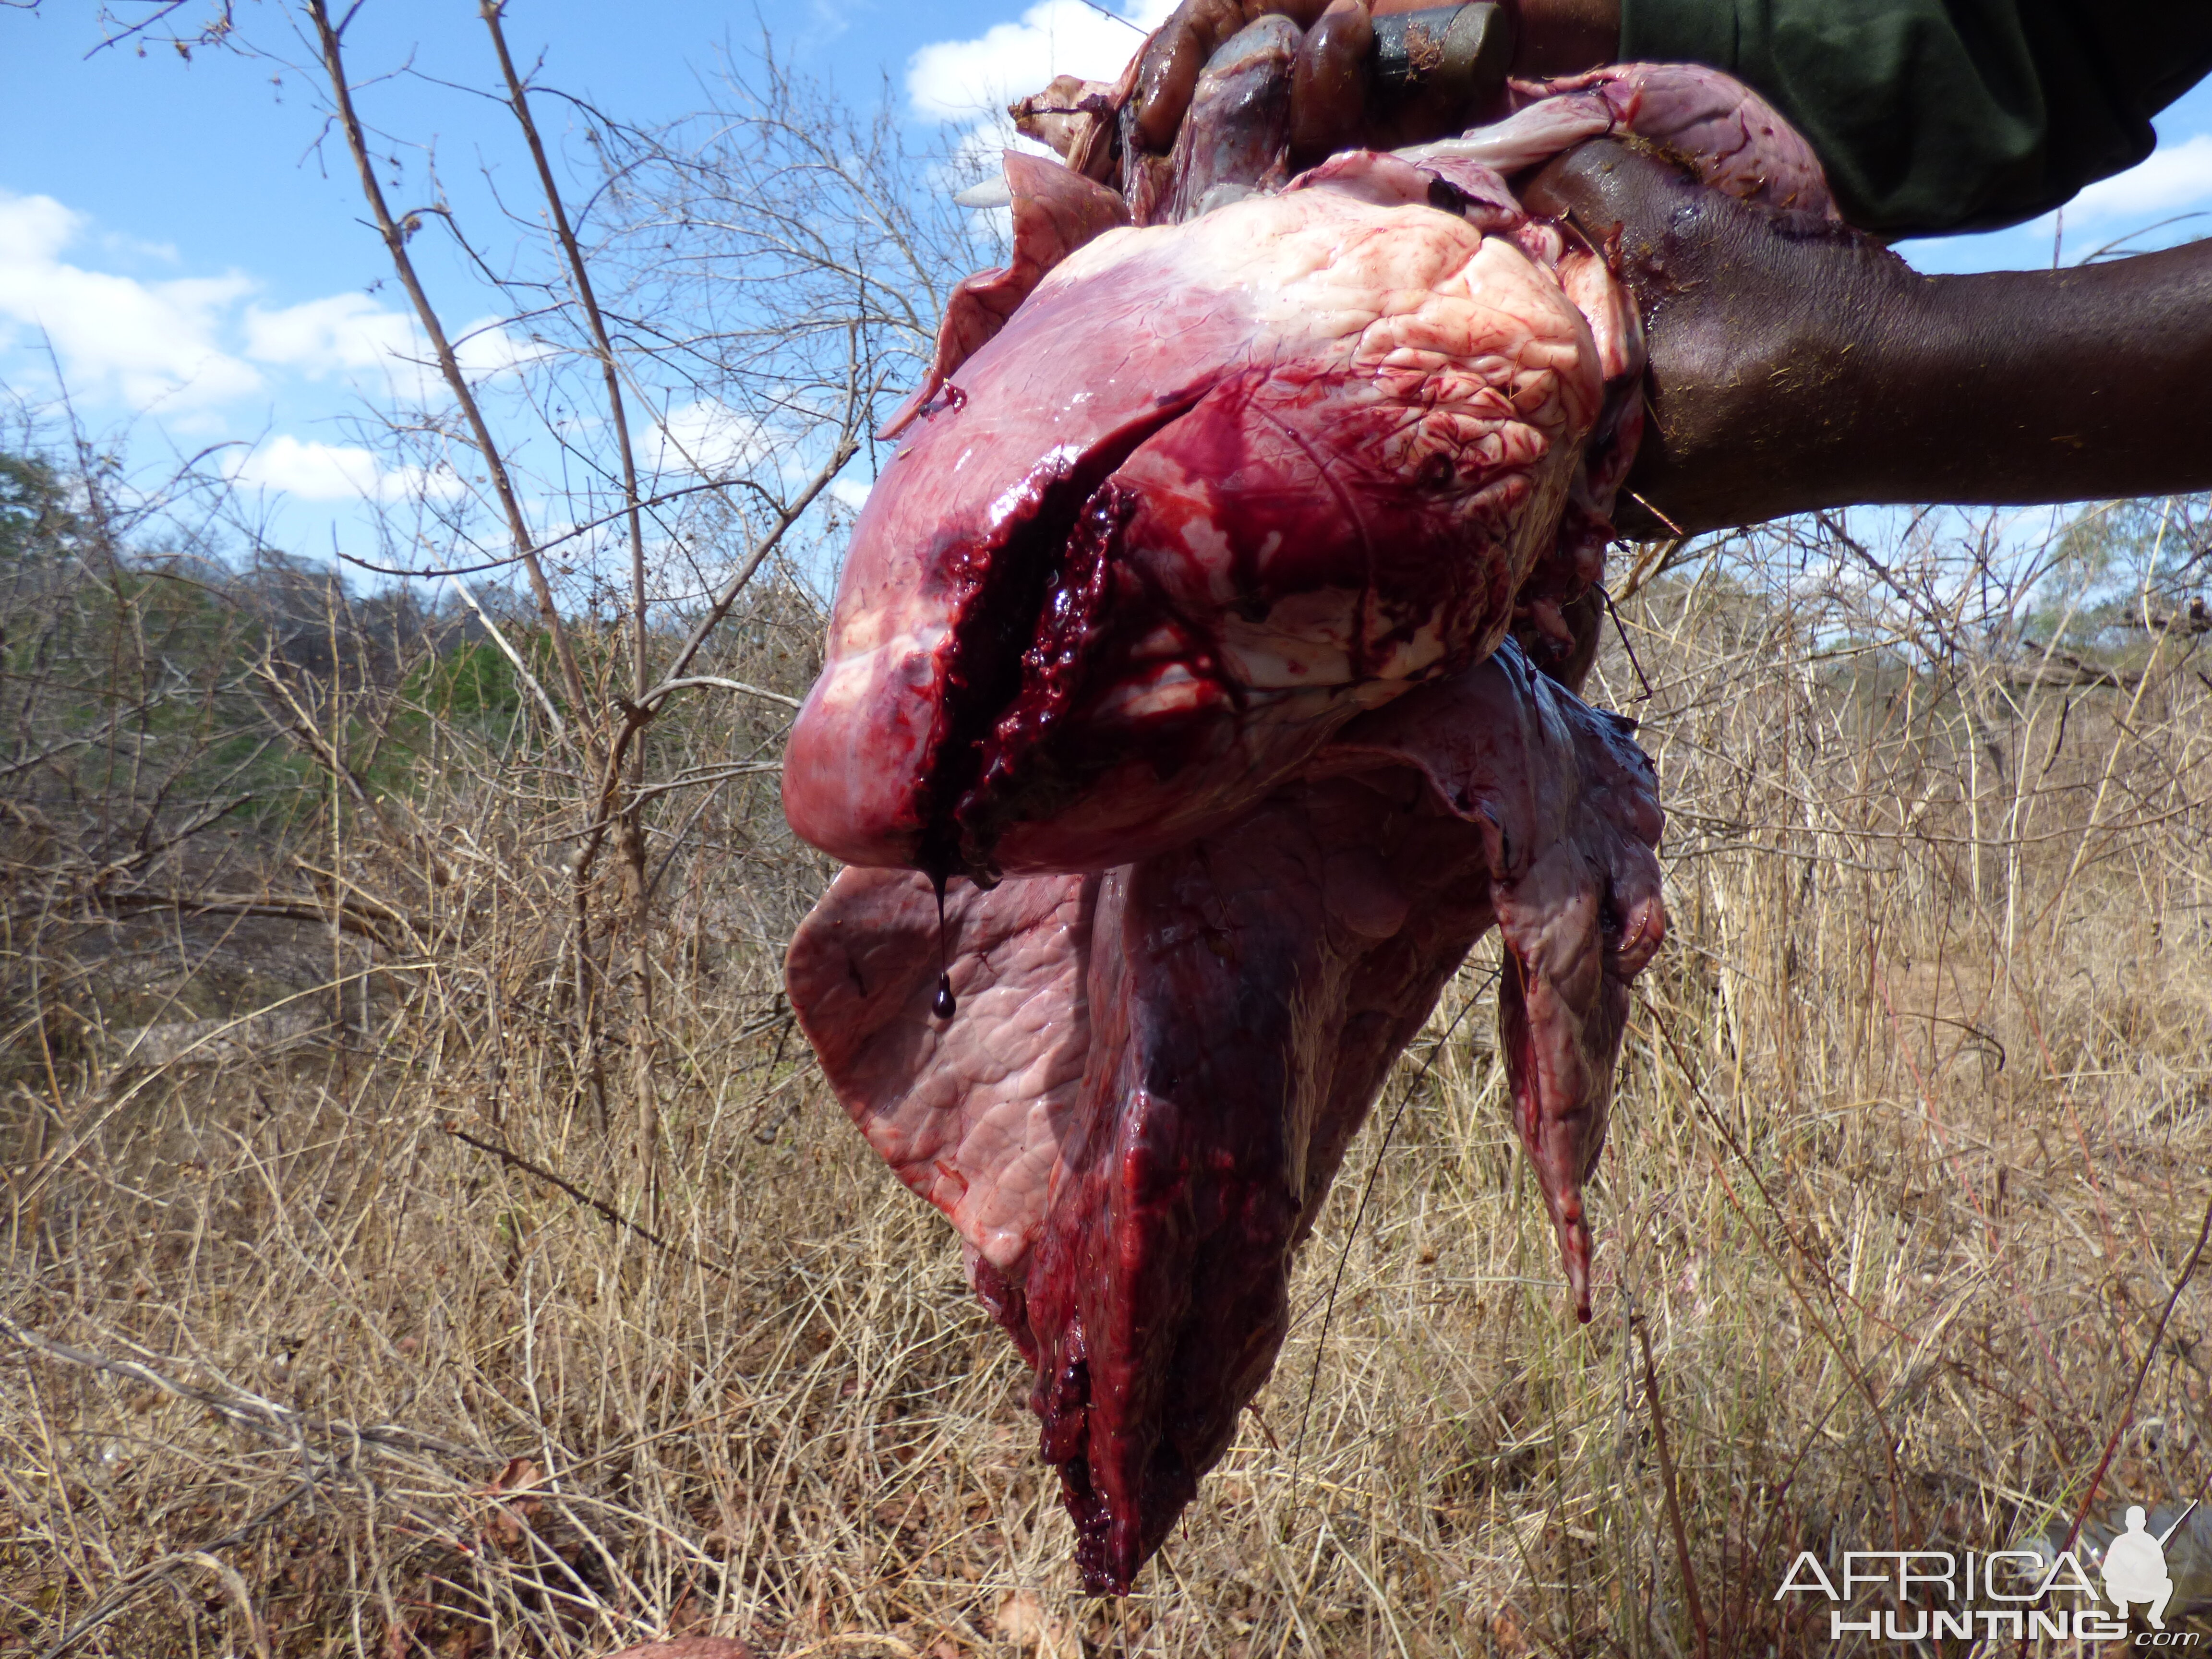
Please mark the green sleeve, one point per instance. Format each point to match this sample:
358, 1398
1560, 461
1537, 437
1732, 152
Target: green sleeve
1947, 115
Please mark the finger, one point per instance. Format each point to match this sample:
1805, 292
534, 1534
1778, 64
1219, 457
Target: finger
1173, 59
1177, 53
1328, 87
1603, 185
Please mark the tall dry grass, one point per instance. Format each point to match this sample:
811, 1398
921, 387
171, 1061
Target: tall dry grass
324, 1342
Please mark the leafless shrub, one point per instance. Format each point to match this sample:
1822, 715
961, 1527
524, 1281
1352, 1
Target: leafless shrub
397, 1333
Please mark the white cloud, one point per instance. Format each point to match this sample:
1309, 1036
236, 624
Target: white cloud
707, 438
488, 348
311, 470
971, 80
147, 342
2175, 178
114, 241
350, 337
186, 344
345, 331
827, 21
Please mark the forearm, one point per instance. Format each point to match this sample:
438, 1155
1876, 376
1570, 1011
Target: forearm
1797, 365
2014, 388
2046, 386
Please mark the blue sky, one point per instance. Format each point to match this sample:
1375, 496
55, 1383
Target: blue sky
195, 262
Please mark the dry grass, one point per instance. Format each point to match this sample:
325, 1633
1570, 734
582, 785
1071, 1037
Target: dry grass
1911, 1144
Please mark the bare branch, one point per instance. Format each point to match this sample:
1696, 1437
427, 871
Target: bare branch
249, 1411
514, 657
395, 241
515, 1160
847, 446
662, 689
518, 100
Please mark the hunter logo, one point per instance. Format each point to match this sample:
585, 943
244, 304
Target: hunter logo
2135, 1567
2021, 1595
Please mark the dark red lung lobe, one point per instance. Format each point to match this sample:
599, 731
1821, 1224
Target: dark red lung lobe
1246, 995
1209, 1027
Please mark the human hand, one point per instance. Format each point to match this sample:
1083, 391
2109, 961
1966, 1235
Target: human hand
1795, 363
1168, 67
1404, 72
1758, 324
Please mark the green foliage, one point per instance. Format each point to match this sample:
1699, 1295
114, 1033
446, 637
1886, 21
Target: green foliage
2117, 560
472, 684
35, 517
141, 678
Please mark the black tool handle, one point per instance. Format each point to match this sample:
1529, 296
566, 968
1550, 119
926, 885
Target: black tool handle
1453, 54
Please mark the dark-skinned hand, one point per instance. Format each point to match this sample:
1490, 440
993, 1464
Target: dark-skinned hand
1336, 100
1797, 364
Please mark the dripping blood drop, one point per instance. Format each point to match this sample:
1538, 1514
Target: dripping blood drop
943, 1005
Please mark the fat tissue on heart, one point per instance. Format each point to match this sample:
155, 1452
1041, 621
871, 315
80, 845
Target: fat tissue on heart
1180, 498
1211, 490
1203, 660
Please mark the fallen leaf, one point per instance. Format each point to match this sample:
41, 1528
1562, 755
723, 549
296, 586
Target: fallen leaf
510, 1523
1020, 1617
519, 1472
